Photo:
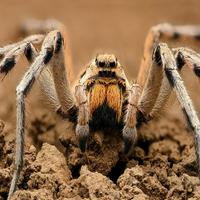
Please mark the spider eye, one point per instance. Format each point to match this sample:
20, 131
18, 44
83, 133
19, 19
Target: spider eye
113, 64
102, 64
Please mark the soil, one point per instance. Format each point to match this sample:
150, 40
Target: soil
163, 164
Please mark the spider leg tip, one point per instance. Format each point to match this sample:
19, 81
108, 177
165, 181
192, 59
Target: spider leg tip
129, 138
82, 132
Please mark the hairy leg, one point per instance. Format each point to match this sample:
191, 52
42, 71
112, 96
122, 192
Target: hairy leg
140, 103
45, 57
33, 26
129, 132
183, 56
82, 127
189, 57
154, 36
54, 80
167, 63
11, 53
156, 90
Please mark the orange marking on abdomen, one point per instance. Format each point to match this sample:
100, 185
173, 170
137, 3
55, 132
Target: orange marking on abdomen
114, 99
97, 97
110, 94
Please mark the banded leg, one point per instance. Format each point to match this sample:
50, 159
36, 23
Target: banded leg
169, 65
45, 79
50, 80
33, 26
46, 55
155, 34
189, 57
151, 89
182, 56
54, 82
10, 54
141, 105
157, 88
155, 92
60, 76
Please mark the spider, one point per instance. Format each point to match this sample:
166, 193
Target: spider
103, 98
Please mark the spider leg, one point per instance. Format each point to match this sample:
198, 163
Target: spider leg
157, 88
182, 56
140, 104
45, 79
33, 26
153, 98
154, 36
129, 131
57, 99
165, 61
11, 53
82, 128
189, 57
156, 91
50, 51
61, 81
169, 65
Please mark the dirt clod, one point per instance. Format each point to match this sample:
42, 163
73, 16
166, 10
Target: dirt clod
162, 166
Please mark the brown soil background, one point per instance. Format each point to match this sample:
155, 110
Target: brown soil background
163, 164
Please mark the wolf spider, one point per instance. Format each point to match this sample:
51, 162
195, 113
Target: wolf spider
103, 98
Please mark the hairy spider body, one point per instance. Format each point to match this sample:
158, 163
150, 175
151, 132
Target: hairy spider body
103, 98
106, 93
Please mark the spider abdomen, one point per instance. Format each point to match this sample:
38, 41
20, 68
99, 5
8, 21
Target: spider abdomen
105, 104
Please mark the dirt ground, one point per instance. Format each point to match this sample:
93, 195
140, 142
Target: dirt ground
163, 165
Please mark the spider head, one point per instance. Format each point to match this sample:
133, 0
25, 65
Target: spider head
104, 66
108, 61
